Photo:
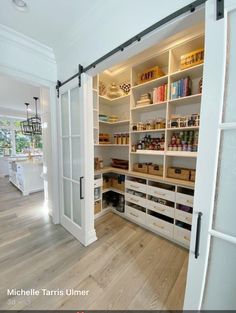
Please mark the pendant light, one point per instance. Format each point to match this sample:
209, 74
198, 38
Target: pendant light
35, 121
26, 128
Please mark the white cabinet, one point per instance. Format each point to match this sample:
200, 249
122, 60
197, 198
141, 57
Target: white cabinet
26, 175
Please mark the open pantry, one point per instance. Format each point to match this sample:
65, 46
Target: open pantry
146, 124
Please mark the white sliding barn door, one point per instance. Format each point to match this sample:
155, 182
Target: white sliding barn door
76, 141
211, 282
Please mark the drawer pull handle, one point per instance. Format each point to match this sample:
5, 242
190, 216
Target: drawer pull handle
186, 238
135, 200
155, 224
190, 202
135, 215
188, 219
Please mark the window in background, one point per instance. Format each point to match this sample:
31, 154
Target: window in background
5, 141
22, 142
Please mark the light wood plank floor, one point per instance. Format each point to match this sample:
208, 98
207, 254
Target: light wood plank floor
126, 268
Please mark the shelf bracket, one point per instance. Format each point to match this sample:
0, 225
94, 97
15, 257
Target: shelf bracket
219, 9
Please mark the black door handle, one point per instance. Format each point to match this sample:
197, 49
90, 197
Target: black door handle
198, 232
81, 187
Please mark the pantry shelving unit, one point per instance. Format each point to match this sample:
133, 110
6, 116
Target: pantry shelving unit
164, 204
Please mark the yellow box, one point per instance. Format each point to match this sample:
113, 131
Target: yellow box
150, 74
192, 58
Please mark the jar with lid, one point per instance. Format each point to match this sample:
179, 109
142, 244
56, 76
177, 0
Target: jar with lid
127, 138
119, 139
124, 136
115, 139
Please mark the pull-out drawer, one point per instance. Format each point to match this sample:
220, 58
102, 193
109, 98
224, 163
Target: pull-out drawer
135, 215
160, 208
182, 235
135, 199
161, 193
97, 182
160, 226
183, 216
136, 186
184, 199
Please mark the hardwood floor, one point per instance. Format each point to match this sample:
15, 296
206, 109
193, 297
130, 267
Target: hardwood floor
126, 268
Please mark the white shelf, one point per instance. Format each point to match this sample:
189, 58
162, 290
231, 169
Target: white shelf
187, 100
148, 131
182, 154
193, 72
148, 152
183, 128
150, 107
115, 123
116, 101
151, 84
110, 145
113, 189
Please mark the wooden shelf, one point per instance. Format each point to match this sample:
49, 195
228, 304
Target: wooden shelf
193, 72
182, 154
148, 152
145, 176
150, 107
147, 131
116, 123
151, 84
187, 100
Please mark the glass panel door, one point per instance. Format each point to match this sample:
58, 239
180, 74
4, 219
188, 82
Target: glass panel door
76, 146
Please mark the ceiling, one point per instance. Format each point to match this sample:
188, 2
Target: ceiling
53, 23
13, 95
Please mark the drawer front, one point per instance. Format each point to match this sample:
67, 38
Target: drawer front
160, 226
136, 186
161, 193
135, 215
183, 216
135, 199
182, 235
184, 199
160, 208
97, 182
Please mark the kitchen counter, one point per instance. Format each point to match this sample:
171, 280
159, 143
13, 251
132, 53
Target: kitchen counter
26, 175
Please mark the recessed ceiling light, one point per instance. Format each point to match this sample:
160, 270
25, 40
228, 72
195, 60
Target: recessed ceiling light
20, 5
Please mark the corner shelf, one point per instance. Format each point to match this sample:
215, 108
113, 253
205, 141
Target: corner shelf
115, 100
115, 123
113, 189
183, 128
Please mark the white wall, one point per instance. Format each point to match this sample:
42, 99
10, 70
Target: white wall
113, 23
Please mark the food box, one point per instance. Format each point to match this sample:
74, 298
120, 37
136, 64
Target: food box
140, 167
106, 182
193, 58
150, 74
178, 173
192, 175
155, 169
97, 207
